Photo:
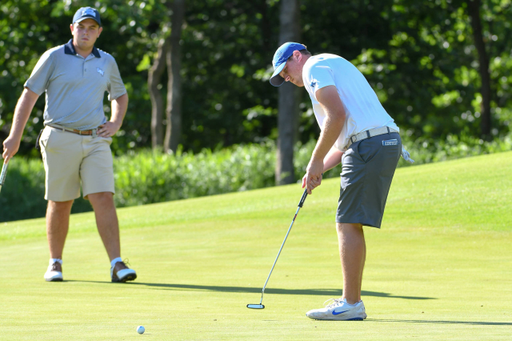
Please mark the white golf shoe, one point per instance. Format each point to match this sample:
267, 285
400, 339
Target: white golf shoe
120, 273
339, 309
54, 272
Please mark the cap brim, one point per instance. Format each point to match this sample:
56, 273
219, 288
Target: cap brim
83, 18
276, 79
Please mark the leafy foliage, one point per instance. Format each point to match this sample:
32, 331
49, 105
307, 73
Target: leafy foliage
22, 194
418, 56
151, 176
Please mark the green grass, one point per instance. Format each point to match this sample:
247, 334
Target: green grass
439, 269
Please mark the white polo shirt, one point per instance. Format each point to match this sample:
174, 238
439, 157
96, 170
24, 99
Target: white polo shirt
362, 106
75, 86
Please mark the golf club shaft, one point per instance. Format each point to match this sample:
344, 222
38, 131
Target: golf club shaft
301, 202
3, 174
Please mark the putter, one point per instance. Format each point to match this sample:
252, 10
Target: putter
3, 174
261, 306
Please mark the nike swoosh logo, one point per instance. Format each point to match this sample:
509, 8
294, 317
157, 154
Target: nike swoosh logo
341, 312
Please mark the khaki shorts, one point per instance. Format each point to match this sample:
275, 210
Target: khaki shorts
71, 159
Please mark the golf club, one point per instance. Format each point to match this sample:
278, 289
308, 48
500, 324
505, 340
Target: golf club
3, 174
261, 306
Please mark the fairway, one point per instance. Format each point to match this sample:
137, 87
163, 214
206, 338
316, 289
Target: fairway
439, 269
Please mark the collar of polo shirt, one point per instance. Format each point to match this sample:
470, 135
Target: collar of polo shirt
70, 49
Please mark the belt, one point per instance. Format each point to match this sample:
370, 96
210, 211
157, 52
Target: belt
370, 133
75, 131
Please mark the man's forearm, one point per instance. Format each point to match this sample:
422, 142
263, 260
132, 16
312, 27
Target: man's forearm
22, 112
328, 136
332, 159
119, 107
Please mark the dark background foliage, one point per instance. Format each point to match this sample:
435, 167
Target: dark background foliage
418, 55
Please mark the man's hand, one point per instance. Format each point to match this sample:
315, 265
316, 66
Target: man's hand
11, 147
313, 177
108, 129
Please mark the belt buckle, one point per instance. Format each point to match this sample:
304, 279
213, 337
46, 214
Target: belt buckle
93, 133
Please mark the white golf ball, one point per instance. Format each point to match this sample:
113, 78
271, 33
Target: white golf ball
141, 329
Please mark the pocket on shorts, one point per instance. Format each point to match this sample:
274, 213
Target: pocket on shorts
108, 140
367, 150
45, 138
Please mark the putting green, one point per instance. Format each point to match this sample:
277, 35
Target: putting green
439, 269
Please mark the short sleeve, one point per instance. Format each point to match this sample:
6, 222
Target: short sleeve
41, 74
115, 86
319, 77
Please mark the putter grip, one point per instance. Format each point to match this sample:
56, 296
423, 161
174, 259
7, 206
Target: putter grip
304, 195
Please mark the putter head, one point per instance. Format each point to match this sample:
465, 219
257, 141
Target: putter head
255, 306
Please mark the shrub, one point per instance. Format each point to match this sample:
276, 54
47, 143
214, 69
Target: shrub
453, 147
151, 176
22, 195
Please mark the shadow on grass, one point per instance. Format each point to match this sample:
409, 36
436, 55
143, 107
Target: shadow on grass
473, 323
217, 288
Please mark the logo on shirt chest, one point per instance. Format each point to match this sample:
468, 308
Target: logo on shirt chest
100, 71
313, 84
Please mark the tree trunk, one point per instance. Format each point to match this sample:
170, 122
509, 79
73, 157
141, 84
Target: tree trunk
157, 105
483, 60
287, 122
173, 131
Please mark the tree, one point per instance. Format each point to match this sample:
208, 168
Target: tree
288, 99
421, 57
168, 56
483, 67
173, 131
157, 105
445, 64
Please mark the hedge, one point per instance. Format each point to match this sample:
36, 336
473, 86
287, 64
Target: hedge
151, 176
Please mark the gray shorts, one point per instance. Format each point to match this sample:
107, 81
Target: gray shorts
368, 167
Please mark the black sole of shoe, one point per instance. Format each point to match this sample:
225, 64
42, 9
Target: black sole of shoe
54, 280
126, 278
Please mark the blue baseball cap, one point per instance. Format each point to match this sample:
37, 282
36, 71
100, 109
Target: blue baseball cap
279, 61
87, 13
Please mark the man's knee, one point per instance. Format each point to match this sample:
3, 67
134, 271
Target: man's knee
101, 196
103, 200
59, 205
348, 226
349, 229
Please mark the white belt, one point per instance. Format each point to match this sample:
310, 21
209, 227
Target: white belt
370, 133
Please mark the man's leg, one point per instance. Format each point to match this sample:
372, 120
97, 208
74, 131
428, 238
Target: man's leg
108, 227
57, 226
106, 221
353, 254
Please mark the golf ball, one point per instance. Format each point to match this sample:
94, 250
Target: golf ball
141, 329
